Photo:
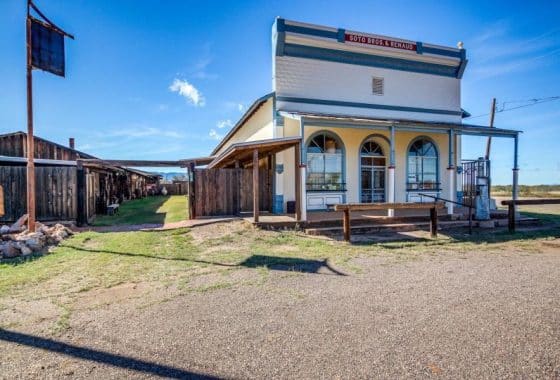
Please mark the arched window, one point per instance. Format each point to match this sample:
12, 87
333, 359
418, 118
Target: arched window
325, 156
422, 165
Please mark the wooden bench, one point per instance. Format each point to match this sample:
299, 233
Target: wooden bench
520, 202
113, 209
346, 208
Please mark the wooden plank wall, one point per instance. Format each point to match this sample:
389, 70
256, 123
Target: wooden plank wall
15, 146
176, 188
220, 192
56, 192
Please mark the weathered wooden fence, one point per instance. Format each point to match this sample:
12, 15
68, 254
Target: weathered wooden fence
55, 189
220, 192
176, 188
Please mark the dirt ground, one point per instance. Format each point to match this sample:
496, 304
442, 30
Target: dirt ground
480, 313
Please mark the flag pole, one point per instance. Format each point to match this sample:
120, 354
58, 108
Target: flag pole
30, 138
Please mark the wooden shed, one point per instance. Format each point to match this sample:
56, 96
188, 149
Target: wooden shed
58, 186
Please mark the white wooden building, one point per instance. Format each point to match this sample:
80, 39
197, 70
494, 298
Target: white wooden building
378, 118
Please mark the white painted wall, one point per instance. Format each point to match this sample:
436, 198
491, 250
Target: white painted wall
315, 79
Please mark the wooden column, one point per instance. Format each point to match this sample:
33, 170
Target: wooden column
30, 139
81, 185
297, 171
433, 222
256, 186
192, 192
346, 224
511, 217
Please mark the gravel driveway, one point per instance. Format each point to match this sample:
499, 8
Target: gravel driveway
479, 315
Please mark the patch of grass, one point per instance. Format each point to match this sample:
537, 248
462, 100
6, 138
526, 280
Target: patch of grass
63, 322
150, 210
172, 258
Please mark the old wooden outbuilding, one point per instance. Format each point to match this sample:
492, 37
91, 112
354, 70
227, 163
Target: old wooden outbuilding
61, 182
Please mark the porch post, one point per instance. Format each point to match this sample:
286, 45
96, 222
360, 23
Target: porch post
451, 171
256, 186
391, 179
515, 184
302, 173
297, 171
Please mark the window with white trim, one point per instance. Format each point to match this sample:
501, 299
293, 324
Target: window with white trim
325, 157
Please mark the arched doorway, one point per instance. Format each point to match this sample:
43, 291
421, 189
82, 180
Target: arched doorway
372, 167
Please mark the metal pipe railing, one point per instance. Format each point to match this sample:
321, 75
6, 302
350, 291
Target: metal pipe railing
436, 198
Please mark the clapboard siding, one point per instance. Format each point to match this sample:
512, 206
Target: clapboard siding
55, 191
219, 192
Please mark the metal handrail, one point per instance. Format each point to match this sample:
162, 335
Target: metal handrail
436, 198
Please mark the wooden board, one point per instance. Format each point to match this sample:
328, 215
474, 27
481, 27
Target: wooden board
219, 192
1, 201
387, 206
55, 192
540, 201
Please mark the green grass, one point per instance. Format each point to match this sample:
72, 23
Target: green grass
149, 210
93, 260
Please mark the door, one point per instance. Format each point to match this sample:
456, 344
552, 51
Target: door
373, 184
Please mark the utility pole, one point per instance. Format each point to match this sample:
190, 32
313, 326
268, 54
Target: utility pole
488, 146
489, 141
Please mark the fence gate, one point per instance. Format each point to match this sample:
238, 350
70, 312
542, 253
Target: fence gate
220, 192
472, 171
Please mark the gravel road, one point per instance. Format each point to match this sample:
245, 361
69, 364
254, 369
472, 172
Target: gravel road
479, 315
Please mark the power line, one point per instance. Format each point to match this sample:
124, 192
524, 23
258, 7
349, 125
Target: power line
532, 102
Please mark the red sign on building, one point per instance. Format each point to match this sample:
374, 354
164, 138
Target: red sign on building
350, 37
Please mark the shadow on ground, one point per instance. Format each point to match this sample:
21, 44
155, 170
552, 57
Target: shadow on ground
98, 356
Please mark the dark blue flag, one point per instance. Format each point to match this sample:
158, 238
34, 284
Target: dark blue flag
47, 48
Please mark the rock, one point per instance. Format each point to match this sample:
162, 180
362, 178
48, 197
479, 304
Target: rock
25, 250
4, 229
34, 243
20, 222
10, 250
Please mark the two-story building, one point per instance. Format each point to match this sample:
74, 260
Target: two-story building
376, 119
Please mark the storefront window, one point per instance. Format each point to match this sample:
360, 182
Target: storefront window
325, 157
422, 166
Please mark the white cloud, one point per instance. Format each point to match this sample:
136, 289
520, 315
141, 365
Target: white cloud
240, 107
215, 135
188, 91
224, 123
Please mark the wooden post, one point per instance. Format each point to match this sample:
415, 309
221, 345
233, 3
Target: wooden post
192, 192
256, 186
30, 139
2, 210
433, 222
81, 185
346, 224
297, 171
511, 217
189, 192
489, 141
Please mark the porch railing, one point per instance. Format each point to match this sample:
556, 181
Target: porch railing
470, 207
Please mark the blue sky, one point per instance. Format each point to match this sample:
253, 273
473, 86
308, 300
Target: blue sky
165, 79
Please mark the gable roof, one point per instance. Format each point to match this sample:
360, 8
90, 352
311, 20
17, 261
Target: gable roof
252, 109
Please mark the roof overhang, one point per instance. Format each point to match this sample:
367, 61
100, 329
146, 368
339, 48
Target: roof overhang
243, 152
341, 121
